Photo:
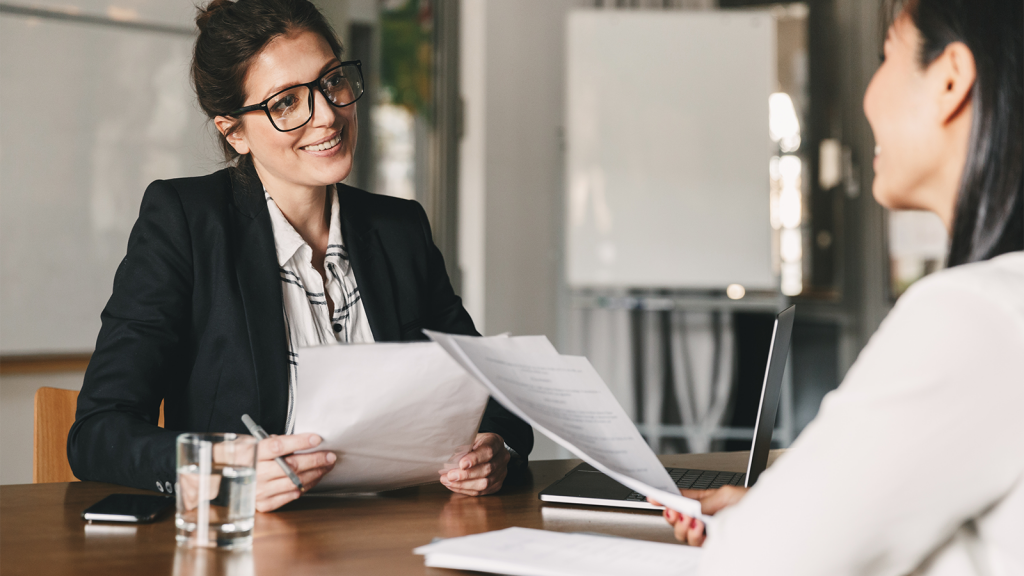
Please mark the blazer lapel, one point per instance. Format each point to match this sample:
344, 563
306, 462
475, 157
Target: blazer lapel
259, 281
366, 255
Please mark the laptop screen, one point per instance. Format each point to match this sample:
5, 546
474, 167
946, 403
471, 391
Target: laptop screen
771, 390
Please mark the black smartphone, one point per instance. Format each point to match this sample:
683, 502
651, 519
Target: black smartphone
136, 508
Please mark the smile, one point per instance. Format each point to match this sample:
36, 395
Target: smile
324, 145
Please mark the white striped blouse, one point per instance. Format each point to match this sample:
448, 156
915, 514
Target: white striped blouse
307, 319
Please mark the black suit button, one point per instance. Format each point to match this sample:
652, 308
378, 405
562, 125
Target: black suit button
337, 327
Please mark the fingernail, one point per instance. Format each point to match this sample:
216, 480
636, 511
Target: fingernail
314, 440
331, 458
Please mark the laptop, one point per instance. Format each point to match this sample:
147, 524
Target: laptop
585, 485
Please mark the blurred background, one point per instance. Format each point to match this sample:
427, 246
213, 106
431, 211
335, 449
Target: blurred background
646, 182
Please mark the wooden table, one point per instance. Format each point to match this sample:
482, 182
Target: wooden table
41, 531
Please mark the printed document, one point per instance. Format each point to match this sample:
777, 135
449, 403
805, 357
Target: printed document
528, 552
565, 398
395, 414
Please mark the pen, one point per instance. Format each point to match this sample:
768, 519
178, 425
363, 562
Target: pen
260, 434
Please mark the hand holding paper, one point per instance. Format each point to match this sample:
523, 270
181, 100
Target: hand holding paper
480, 471
563, 397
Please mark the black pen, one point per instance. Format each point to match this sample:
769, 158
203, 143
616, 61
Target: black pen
260, 434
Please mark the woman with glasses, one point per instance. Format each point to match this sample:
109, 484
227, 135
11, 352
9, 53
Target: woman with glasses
227, 275
915, 464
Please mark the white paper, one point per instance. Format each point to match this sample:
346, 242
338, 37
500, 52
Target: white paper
528, 552
394, 414
565, 398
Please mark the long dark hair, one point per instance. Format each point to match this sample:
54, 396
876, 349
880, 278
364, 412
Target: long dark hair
231, 34
988, 219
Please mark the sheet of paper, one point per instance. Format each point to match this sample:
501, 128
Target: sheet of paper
395, 414
565, 398
528, 552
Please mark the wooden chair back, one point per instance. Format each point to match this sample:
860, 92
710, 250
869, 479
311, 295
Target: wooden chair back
54, 415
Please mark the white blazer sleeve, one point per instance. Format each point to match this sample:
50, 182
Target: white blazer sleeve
923, 435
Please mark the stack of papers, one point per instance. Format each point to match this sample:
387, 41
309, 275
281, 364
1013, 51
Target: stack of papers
526, 552
565, 398
394, 414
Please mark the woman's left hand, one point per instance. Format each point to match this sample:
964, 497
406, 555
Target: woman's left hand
482, 470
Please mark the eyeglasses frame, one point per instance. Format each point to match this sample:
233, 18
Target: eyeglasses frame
315, 84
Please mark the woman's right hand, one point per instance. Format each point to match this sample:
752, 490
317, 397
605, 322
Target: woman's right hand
689, 530
273, 488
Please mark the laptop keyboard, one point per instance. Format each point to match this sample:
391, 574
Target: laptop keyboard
697, 480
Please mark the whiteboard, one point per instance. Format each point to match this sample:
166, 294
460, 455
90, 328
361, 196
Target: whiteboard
175, 13
89, 116
667, 181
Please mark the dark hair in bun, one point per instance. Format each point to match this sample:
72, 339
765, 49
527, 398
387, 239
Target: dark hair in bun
231, 34
204, 14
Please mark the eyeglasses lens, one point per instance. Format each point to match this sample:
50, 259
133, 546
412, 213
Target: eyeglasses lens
291, 108
343, 86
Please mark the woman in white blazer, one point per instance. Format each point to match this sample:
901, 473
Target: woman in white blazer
915, 464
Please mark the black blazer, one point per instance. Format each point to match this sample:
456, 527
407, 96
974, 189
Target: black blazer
196, 320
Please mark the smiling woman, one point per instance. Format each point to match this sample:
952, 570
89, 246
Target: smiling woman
227, 275
939, 384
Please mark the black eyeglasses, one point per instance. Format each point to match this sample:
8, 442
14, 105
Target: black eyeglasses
292, 108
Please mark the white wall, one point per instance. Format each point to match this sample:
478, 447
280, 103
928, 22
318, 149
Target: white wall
68, 212
510, 181
472, 217
132, 120
511, 162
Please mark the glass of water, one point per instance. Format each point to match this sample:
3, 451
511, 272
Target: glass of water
216, 490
